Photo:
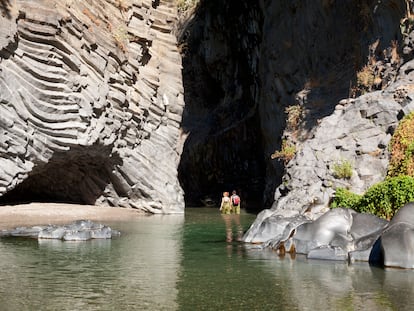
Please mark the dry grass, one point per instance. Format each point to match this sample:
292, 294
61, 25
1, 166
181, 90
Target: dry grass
402, 148
365, 78
395, 57
294, 117
185, 5
286, 153
121, 37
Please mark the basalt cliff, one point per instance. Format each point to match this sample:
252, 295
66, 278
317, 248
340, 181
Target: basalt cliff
91, 103
160, 104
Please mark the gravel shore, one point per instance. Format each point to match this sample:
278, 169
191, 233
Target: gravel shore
31, 214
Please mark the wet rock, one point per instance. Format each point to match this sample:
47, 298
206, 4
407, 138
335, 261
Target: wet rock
397, 241
330, 229
52, 233
343, 234
328, 252
81, 230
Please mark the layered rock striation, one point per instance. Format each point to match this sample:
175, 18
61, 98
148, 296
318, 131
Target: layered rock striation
91, 100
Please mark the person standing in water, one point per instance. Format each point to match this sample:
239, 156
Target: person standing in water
225, 206
225, 209
235, 202
230, 211
235, 207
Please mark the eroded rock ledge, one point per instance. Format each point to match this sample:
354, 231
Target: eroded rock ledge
91, 103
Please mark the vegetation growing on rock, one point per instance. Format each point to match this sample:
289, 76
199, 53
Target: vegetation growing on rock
384, 199
402, 148
286, 153
185, 5
343, 169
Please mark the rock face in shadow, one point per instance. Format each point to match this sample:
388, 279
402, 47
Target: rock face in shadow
91, 100
246, 64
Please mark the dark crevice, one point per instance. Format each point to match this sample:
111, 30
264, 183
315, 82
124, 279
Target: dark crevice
79, 176
224, 149
245, 62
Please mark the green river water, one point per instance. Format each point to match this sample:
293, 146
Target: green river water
182, 262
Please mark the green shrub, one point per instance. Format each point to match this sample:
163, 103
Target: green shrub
345, 198
386, 198
383, 199
342, 169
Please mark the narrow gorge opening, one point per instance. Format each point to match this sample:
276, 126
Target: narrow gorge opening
224, 148
245, 64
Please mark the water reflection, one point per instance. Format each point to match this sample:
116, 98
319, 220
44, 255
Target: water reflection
183, 262
136, 271
330, 285
232, 223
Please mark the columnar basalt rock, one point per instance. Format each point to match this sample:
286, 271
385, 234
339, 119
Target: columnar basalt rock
91, 100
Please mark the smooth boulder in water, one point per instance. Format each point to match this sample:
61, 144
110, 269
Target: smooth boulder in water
397, 241
80, 230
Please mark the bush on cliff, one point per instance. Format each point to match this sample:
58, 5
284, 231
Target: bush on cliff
383, 199
345, 198
402, 148
386, 198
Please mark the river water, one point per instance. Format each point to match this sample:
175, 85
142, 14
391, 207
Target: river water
183, 262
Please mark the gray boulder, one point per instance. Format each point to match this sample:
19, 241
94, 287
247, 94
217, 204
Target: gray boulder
339, 234
397, 241
52, 232
331, 229
81, 230
343, 234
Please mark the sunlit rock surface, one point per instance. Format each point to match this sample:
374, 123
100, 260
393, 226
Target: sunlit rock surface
343, 234
397, 241
91, 100
358, 132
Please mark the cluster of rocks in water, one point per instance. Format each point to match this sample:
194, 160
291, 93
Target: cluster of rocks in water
81, 230
342, 234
